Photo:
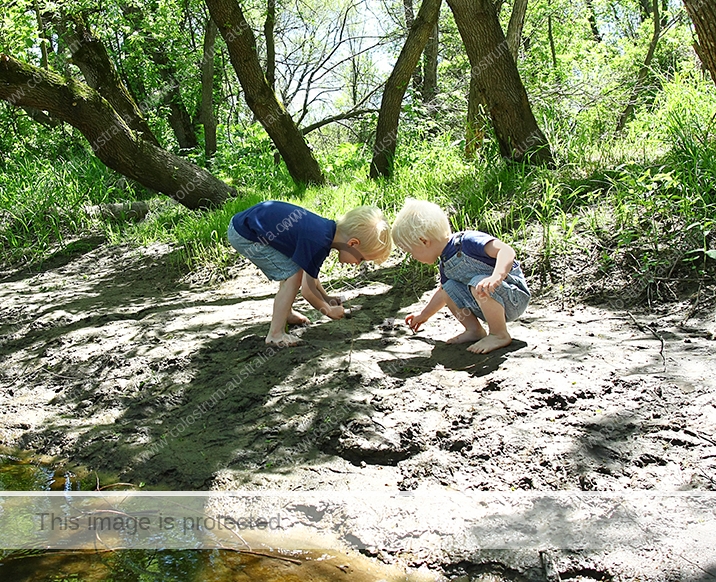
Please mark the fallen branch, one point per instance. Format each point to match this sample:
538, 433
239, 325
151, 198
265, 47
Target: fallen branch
119, 211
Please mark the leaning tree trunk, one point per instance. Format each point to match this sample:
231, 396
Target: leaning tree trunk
260, 98
387, 131
703, 15
90, 56
498, 82
112, 141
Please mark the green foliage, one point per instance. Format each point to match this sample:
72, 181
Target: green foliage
43, 202
633, 196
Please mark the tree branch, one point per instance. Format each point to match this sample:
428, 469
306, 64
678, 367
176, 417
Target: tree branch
111, 139
339, 117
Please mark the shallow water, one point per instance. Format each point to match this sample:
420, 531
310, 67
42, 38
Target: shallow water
193, 565
23, 471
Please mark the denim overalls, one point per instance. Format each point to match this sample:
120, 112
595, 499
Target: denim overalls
463, 271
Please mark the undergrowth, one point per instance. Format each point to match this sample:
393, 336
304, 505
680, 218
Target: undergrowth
641, 205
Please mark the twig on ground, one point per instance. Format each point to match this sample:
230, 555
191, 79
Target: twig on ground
262, 555
645, 328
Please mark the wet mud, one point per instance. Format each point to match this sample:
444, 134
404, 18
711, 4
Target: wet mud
112, 360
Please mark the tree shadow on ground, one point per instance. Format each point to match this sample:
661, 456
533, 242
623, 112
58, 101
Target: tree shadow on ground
60, 258
178, 420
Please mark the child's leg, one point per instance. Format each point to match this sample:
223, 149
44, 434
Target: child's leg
473, 329
282, 310
494, 315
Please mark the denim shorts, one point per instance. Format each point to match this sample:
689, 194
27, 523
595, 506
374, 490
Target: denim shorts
463, 272
274, 264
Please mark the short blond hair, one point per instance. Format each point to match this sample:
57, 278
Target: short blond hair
368, 225
419, 219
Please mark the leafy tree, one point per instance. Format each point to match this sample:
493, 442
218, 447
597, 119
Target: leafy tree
386, 133
260, 97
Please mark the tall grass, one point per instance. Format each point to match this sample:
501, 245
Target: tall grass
42, 202
654, 187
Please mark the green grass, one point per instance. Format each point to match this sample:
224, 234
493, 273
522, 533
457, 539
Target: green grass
630, 197
42, 202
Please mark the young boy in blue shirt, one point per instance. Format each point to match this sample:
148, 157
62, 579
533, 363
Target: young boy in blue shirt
289, 244
479, 277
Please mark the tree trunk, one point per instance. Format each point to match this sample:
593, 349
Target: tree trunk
387, 130
112, 140
592, 17
44, 38
430, 66
515, 27
550, 36
645, 9
260, 98
476, 122
641, 76
90, 56
703, 15
409, 20
206, 108
179, 118
269, 26
499, 83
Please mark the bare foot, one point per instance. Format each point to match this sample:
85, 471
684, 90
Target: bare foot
490, 343
467, 336
285, 340
295, 318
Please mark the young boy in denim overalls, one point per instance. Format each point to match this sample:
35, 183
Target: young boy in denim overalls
479, 277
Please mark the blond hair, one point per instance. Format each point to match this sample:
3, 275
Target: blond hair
419, 219
368, 225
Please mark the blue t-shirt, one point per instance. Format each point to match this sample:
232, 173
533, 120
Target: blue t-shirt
472, 243
302, 236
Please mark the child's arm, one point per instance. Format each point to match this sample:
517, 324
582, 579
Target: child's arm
331, 300
311, 293
504, 255
436, 303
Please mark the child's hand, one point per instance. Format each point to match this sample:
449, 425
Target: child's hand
334, 311
415, 320
488, 285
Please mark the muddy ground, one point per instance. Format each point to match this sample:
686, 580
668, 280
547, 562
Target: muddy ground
111, 358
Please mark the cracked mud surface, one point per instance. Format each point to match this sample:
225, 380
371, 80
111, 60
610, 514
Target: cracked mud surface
109, 360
